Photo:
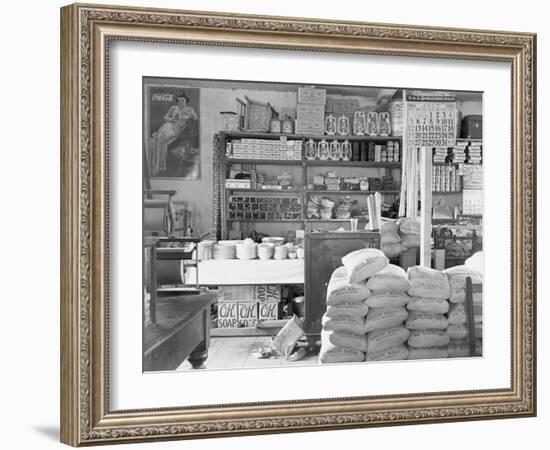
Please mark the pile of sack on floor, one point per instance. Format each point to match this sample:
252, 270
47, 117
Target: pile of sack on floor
378, 312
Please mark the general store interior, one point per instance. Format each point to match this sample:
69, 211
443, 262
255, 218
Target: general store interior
292, 178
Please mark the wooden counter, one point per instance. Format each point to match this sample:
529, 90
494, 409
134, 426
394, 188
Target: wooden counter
182, 331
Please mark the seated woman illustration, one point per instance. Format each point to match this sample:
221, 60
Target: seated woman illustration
176, 120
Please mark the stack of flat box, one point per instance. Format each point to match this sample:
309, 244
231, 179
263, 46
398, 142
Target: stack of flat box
474, 153
458, 152
440, 155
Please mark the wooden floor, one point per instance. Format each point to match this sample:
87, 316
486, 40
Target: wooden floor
236, 353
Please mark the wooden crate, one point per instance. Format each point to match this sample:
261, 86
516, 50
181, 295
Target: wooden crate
258, 116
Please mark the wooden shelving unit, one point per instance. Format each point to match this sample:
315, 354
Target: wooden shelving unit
255, 135
374, 168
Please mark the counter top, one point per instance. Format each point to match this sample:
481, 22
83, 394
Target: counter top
226, 272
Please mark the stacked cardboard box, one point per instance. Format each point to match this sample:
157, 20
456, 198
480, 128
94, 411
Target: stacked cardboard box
445, 179
440, 155
458, 153
310, 111
245, 306
474, 153
271, 149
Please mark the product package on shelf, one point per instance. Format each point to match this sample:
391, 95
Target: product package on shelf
445, 179
396, 117
269, 149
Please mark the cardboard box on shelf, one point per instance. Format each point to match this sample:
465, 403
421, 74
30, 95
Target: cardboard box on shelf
339, 106
313, 127
305, 111
243, 293
312, 95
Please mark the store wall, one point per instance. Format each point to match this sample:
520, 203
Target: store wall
199, 193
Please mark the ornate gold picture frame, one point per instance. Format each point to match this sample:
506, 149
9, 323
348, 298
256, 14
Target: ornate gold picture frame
87, 32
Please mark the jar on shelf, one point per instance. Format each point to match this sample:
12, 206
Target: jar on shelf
343, 125
311, 149
330, 125
323, 150
288, 126
334, 151
346, 150
275, 126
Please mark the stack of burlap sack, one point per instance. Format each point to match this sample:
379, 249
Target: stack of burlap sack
386, 333
409, 229
378, 312
427, 321
458, 329
391, 240
343, 336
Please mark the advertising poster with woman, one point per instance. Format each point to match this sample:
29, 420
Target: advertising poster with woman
171, 115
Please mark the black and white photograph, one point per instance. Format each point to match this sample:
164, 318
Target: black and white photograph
331, 224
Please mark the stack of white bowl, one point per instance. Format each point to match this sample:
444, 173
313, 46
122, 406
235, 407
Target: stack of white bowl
265, 250
246, 249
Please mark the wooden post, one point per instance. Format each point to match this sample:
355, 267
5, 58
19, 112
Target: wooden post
404, 159
425, 206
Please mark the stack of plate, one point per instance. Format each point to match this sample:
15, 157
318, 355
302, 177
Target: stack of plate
225, 250
265, 251
246, 250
